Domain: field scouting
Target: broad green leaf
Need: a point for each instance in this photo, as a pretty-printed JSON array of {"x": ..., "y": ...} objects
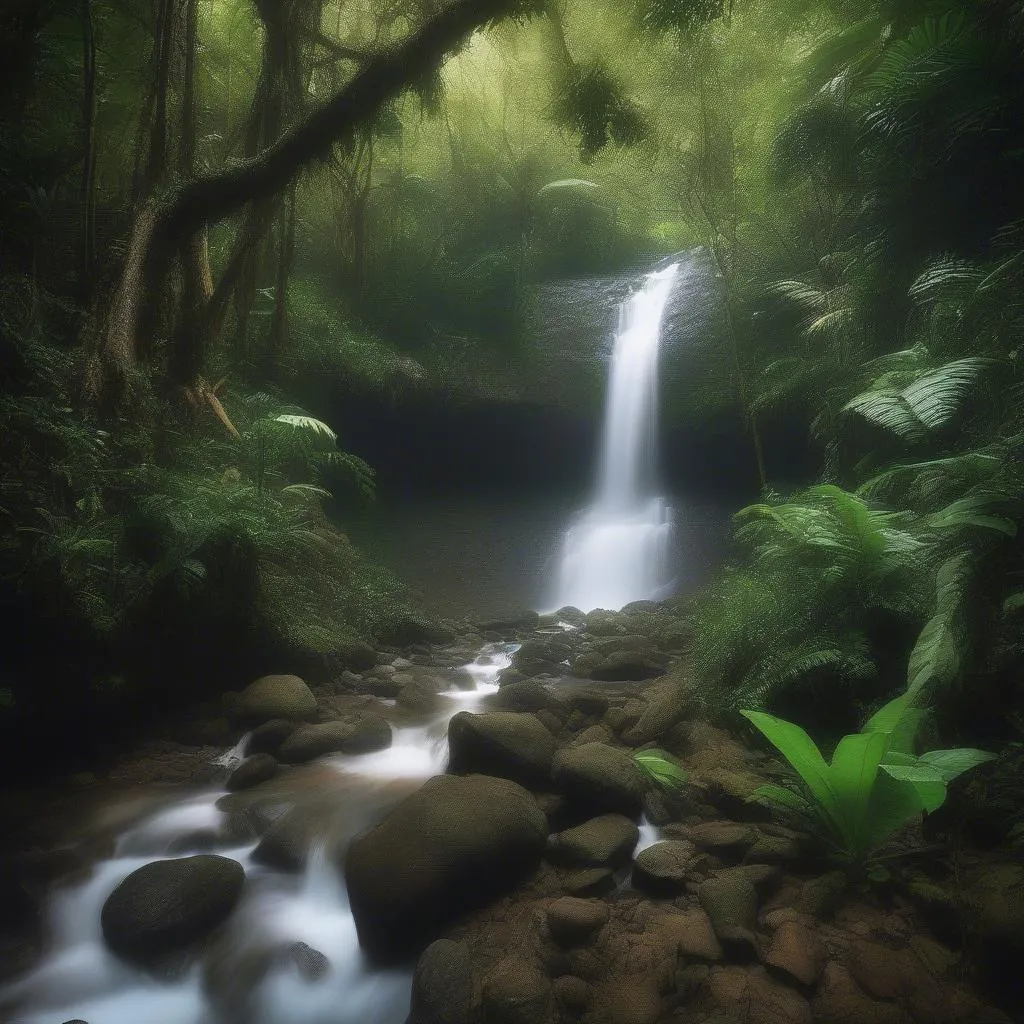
[
  {"x": 802, "y": 753},
  {"x": 899, "y": 720},
  {"x": 951, "y": 763},
  {"x": 893, "y": 803},
  {"x": 852, "y": 777},
  {"x": 926, "y": 780}
]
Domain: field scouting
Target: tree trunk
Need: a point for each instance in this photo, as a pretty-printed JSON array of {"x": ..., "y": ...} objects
[
  {"x": 154, "y": 114},
  {"x": 279, "y": 324},
  {"x": 158, "y": 233},
  {"x": 88, "y": 253}
]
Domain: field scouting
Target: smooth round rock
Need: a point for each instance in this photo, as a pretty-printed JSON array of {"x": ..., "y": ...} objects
[
  {"x": 167, "y": 905},
  {"x": 602, "y": 777},
  {"x": 573, "y": 921},
  {"x": 662, "y": 868},
  {"x": 608, "y": 839},
  {"x": 278, "y": 696}
]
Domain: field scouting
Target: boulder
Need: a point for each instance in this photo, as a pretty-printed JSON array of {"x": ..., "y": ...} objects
[
  {"x": 663, "y": 868},
  {"x": 573, "y": 921},
  {"x": 543, "y": 650},
  {"x": 605, "y": 840},
  {"x": 730, "y": 900},
  {"x": 601, "y": 622},
  {"x": 723, "y": 838},
  {"x": 796, "y": 953},
  {"x": 417, "y": 696},
  {"x": 765, "y": 1000},
  {"x": 442, "y": 985},
  {"x": 354, "y": 734},
  {"x": 666, "y": 705},
  {"x": 585, "y": 663},
  {"x": 452, "y": 846},
  {"x": 524, "y": 619},
  {"x": 275, "y": 697},
  {"x": 355, "y": 656},
  {"x": 167, "y": 905},
  {"x": 526, "y": 695},
  {"x": 516, "y": 992},
  {"x": 625, "y": 666},
  {"x": 631, "y": 1000},
  {"x": 572, "y": 995},
  {"x": 504, "y": 743},
  {"x": 695, "y": 937},
  {"x": 414, "y": 629},
  {"x": 600, "y": 777},
  {"x": 251, "y": 772}
]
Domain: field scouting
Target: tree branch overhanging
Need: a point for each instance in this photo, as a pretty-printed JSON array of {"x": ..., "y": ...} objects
[{"x": 160, "y": 230}]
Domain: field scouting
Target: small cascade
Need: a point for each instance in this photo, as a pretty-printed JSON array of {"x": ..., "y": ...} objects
[
  {"x": 617, "y": 550},
  {"x": 80, "y": 978}
]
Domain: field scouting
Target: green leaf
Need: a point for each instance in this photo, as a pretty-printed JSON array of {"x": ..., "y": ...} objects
[
  {"x": 954, "y": 762},
  {"x": 661, "y": 767},
  {"x": 935, "y": 659},
  {"x": 802, "y": 753},
  {"x": 927, "y": 781},
  {"x": 852, "y": 776},
  {"x": 899, "y": 720},
  {"x": 893, "y": 803},
  {"x": 306, "y": 423},
  {"x": 771, "y": 794}
]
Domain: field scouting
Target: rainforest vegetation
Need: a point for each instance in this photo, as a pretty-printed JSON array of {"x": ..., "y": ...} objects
[{"x": 241, "y": 240}]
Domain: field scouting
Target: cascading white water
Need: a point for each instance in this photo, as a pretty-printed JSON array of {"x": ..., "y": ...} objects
[
  {"x": 80, "y": 978},
  {"x": 617, "y": 550}
]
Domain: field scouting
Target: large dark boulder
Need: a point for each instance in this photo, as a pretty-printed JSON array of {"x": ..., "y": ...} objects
[
  {"x": 452, "y": 846},
  {"x": 503, "y": 743},
  {"x": 626, "y": 666},
  {"x": 354, "y": 734},
  {"x": 280, "y": 696},
  {"x": 525, "y": 619},
  {"x": 167, "y": 905},
  {"x": 600, "y": 777},
  {"x": 414, "y": 629}
]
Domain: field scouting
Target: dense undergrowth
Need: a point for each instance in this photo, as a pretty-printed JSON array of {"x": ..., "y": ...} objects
[{"x": 900, "y": 331}]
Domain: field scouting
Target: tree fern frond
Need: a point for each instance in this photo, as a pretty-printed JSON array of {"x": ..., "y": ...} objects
[{"x": 304, "y": 422}]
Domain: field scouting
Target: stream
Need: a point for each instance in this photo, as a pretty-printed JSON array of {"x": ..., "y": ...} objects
[{"x": 80, "y": 979}]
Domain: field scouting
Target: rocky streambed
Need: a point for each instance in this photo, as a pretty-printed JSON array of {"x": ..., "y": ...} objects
[{"x": 454, "y": 829}]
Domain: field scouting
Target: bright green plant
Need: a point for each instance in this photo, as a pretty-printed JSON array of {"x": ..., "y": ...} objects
[
  {"x": 662, "y": 768},
  {"x": 874, "y": 784}
]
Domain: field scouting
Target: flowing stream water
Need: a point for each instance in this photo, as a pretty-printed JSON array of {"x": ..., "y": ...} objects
[
  {"x": 617, "y": 550},
  {"x": 79, "y": 978}
]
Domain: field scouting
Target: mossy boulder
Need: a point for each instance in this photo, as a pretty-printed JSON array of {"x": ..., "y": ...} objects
[
  {"x": 452, "y": 846},
  {"x": 275, "y": 697},
  {"x": 600, "y": 777},
  {"x": 166, "y": 906},
  {"x": 503, "y": 743}
]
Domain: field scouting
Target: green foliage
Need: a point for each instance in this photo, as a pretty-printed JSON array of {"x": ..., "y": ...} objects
[
  {"x": 590, "y": 102},
  {"x": 794, "y": 614},
  {"x": 874, "y": 784},
  {"x": 663, "y": 769}
]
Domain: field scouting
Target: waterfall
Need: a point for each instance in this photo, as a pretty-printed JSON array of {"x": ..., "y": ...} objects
[{"x": 617, "y": 550}]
